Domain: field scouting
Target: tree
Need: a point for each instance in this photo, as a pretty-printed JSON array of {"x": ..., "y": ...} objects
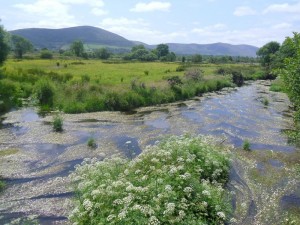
[
  {"x": 162, "y": 50},
  {"x": 197, "y": 58},
  {"x": 102, "y": 53},
  {"x": 46, "y": 54},
  {"x": 77, "y": 47},
  {"x": 267, "y": 54},
  {"x": 137, "y": 47},
  {"x": 20, "y": 45},
  {"x": 4, "y": 46},
  {"x": 290, "y": 71}
]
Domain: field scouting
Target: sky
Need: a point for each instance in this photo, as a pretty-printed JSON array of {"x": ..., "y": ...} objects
[{"x": 253, "y": 22}]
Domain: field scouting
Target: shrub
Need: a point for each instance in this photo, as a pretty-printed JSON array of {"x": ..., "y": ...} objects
[
  {"x": 180, "y": 181},
  {"x": 58, "y": 124},
  {"x": 46, "y": 54},
  {"x": 44, "y": 91},
  {"x": 174, "y": 80},
  {"x": 237, "y": 78},
  {"x": 246, "y": 145},
  {"x": 194, "y": 74},
  {"x": 92, "y": 143},
  {"x": 2, "y": 185}
]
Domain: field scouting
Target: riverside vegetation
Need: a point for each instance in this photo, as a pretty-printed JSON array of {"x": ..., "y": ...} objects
[
  {"x": 179, "y": 181},
  {"x": 92, "y": 85}
]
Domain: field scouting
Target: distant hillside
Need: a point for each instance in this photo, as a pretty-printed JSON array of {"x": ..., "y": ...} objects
[
  {"x": 57, "y": 38},
  {"x": 212, "y": 49},
  {"x": 93, "y": 37}
]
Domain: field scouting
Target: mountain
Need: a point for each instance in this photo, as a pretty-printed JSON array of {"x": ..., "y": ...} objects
[
  {"x": 214, "y": 49},
  {"x": 93, "y": 37},
  {"x": 58, "y": 38}
]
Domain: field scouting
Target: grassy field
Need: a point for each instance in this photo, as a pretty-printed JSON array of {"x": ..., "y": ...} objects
[{"x": 94, "y": 85}]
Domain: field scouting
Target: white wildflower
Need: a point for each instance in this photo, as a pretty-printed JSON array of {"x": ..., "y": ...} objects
[
  {"x": 205, "y": 192},
  {"x": 180, "y": 159},
  {"x": 122, "y": 214},
  {"x": 181, "y": 214},
  {"x": 170, "y": 207},
  {"x": 188, "y": 190},
  {"x": 95, "y": 193},
  {"x": 87, "y": 204},
  {"x": 168, "y": 187},
  {"x": 153, "y": 221},
  {"x": 221, "y": 215},
  {"x": 137, "y": 172},
  {"x": 204, "y": 204},
  {"x": 117, "y": 202},
  {"x": 154, "y": 160},
  {"x": 126, "y": 172},
  {"x": 110, "y": 217}
]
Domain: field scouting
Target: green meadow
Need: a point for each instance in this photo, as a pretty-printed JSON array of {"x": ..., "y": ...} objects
[{"x": 76, "y": 86}]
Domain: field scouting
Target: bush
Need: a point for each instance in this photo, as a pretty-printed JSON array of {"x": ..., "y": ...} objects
[
  {"x": 246, "y": 145},
  {"x": 57, "y": 124},
  {"x": 46, "y": 54},
  {"x": 92, "y": 143},
  {"x": 237, "y": 78},
  {"x": 2, "y": 185},
  {"x": 10, "y": 94},
  {"x": 44, "y": 91},
  {"x": 180, "y": 181},
  {"x": 194, "y": 74}
]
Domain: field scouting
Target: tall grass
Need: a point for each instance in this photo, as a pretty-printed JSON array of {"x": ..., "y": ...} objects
[
  {"x": 180, "y": 181},
  {"x": 95, "y": 86}
]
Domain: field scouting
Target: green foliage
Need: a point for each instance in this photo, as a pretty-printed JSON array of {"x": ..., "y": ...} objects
[
  {"x": 92, "y": 143},
  {"x": 102, "y": 53},
  {"x": 4, "y": 46},
  {"x": 46, "y": 54},
  {"x": 162, "y": 50},
  {"x": 194, "y": 74},
  {"x": 247, "y": 145},
  {"x": 237, "y": 78},
  {"x": 265, "y": 101},
  {"x": 180, "y": 181},
  {"x": 290, "y": 71},
  {"x": 10, "y": 94},
  {"x": 197, "y": 58},
  {"x": 139, "y": 52},
  {"x": 2, "y": 185},
  {"x": 58, "y": 124},
  {"x": 20, "y": 46},
  {"x": 267, "y": 55},
  {"x": 77, "y": 48},
  {"x": 44, "y": 92}
]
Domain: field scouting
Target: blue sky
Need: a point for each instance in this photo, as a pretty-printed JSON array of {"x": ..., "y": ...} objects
[{"x": 254, "y": 22}]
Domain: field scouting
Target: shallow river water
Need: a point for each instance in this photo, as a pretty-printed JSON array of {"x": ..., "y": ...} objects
[{"x": 35, "y": 161}]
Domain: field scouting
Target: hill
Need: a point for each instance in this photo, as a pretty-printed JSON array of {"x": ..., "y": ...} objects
[
  {"x": 58, "y": 38},
  {"x": 97, "y": 37}
]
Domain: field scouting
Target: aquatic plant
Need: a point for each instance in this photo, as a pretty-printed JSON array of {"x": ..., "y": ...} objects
[
  {"x": 2, "y": 185},
  {"x": 246, "y": 145},
  {"x": 58, "y": 124},
  {"x": 179, "y": 181},
  {"x": 91, "y": 143}
]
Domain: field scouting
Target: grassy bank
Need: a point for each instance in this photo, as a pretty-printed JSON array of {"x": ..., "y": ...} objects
[
  {"x": 180, "y": 181},
  {"x": 75, "y": 86}
]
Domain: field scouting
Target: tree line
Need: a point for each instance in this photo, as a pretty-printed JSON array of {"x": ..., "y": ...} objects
[{"x": 283, "y": 60}]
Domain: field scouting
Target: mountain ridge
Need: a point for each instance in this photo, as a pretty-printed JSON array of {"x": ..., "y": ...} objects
[{"x": 57, "y": 38}]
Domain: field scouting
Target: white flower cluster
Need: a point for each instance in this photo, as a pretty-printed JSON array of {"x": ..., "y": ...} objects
[{"x": 168, "y": 182}]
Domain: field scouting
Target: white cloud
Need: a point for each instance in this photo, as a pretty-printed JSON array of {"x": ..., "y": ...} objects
[
  {"x": 282, "y": 26},
  {"x": 244, "y": 11},
  {"x": 151, "y": 6},
  {"x": 257, "y": 36},
  {"x": 139, "y": 30},
  {"x": 122, "y": 21},
  {"x": 283, "y": 8},
  {"x": 99, "y": 12}
]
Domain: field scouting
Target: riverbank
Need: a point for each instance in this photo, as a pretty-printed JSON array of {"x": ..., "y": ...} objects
[{"x": 37, "y": 173}]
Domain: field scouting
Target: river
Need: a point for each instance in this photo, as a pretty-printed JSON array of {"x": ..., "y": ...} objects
[{"x": 36, "y": 161}]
